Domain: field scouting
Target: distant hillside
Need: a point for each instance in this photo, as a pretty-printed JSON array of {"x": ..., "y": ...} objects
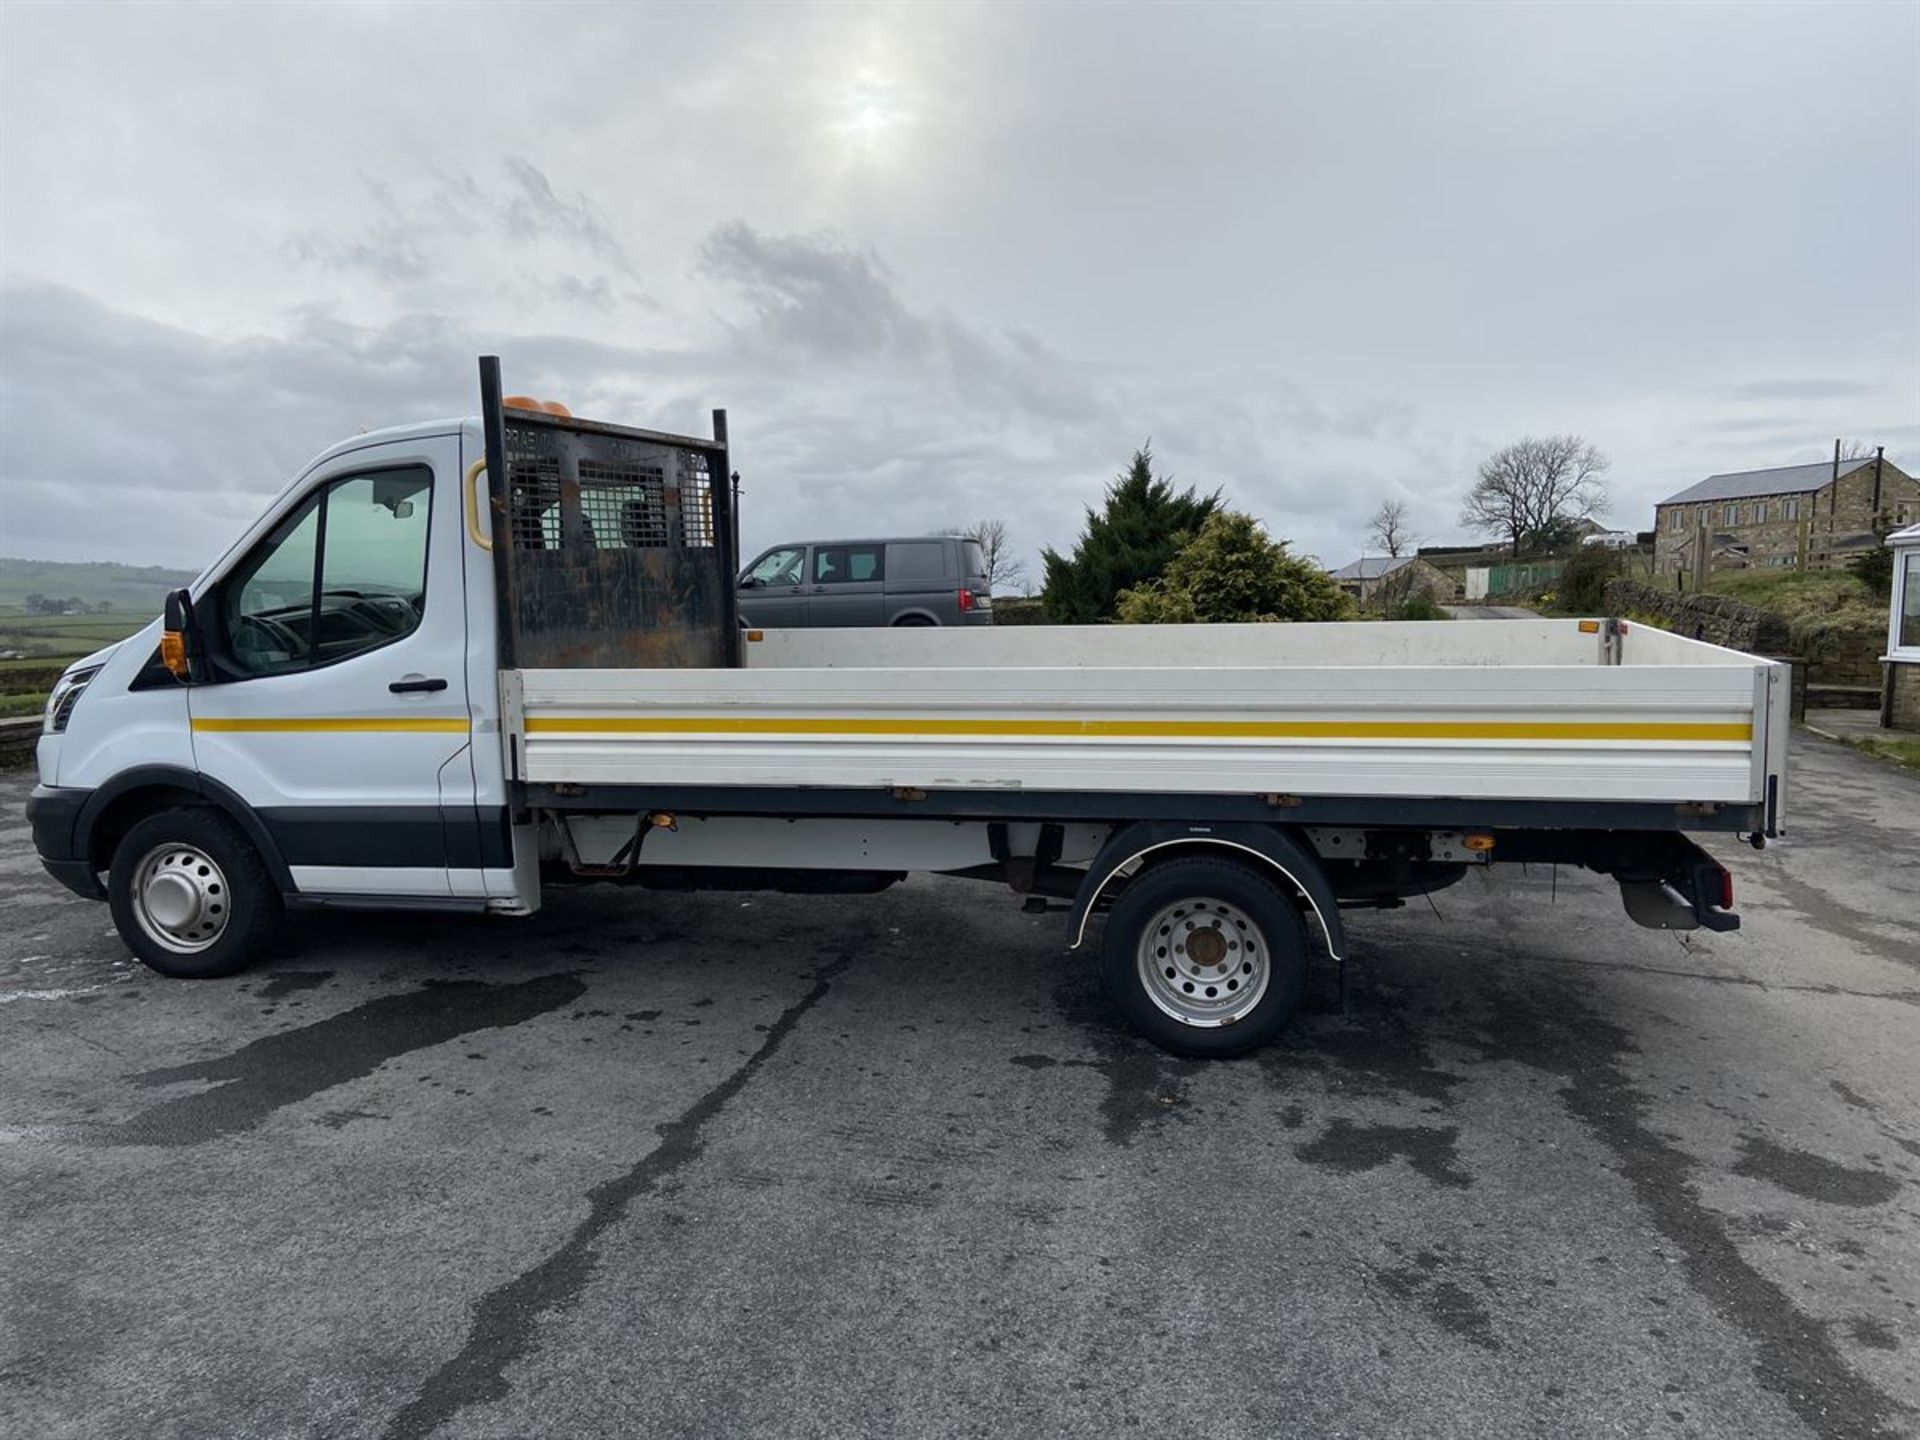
[{"x": 131, "y": 590}]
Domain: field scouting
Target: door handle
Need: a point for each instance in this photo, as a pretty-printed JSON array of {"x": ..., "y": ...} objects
[{"x": 410, "y": 687}]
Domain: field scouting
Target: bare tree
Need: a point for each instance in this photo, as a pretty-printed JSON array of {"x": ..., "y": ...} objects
[
  {"x": 1388, "y": 528},
  {"x": 1535, "y": 485},
  {"x": 1004, "y": 568},
  {"x": 1855, "y": 450}
]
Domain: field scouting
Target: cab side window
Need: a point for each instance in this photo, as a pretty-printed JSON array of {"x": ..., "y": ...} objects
[
  {"x": 846, "y": 564},
  {"x": 343, "y": 574},
  {"x": 779, "y": 567}
]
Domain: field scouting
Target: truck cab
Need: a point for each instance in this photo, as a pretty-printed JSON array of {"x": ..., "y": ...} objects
[{"x": 339, "y": 616}]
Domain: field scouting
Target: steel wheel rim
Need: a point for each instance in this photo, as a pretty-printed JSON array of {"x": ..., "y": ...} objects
[
  {"x": 1204, "y": 962},
  {"x": 181, "y": 898}
]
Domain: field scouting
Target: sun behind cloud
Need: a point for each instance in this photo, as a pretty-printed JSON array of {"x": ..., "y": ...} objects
[{"x": 870, "y": 116}]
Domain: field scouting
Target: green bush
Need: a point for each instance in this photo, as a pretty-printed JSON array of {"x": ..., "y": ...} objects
[
  {"x": 1583, "y": 580},
  {"x": 1874, "y": 570},
  {"x": 1417, "y": 606},
  {"x": 1229, "y": 572}
]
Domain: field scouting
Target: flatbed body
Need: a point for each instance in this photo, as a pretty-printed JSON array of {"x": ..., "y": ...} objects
[{"x": 1562, "y": 720}]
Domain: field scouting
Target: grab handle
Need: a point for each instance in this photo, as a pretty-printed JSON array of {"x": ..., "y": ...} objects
[{"x": 473, "y": 505}]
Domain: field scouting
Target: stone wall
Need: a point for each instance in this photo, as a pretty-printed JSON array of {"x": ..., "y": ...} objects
[
  {"x": 18, "y": 739},
  {"x": 1713, "y": 618},
  {"x": 1905, "y": 681},
  {"x": 1840, "y": 654}
]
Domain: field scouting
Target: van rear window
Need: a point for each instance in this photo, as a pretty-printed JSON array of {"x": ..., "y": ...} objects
[
  {"x": 917, "y": 560},
  {"x": 975, "y": 557}
]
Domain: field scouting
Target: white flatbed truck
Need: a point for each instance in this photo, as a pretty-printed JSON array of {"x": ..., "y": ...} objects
[{"x": 457, "y": 665}]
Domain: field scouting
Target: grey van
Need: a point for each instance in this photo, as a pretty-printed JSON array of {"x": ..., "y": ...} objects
[{"x": 920, "y": 580}]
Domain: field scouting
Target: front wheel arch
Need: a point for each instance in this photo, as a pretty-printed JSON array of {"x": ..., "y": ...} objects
[{"x": 127, "y": 799}]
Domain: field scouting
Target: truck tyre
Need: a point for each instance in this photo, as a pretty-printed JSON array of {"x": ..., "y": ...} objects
[
  {"x": 191, "y": 896},
  {"x": 1205, "y": 957}
]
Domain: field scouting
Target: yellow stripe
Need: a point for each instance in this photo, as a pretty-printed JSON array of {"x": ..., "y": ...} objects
[
  {"x": 1139, "y": 729},
  {"x": 336, "y": 724}
]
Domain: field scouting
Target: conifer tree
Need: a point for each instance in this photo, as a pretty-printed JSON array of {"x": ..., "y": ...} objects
[{"x": 1126, "y": 544}]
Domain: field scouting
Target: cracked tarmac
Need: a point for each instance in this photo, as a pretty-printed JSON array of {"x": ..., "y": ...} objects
[{"x": 665, "y": 1165}]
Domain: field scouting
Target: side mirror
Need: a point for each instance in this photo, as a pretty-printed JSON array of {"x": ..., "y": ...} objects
[
  {"x": 178, "y": 640},
  {"x": 749, "y": 582}
]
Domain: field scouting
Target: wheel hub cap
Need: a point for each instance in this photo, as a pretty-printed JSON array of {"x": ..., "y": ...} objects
[
  {"x": 1204, "y": 962},
  {"x": 172, "y": 901},
  {"x": 180, "y": 898}
]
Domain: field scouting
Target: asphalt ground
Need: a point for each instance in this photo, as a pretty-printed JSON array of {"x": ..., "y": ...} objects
[{"x": 658, "y": 1165}]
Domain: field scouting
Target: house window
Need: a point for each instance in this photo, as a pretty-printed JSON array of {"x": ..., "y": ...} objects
[
  {"x": 1792, "y": 502},
  {"x": 1679, "y": 517},
  {"x": 1731, "y": 516}
]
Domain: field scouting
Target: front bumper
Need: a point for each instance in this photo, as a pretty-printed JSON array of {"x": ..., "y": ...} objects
[{"x": 53, "y": 813}]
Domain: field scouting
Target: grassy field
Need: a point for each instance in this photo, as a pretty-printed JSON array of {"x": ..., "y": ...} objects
[
  {"x": 1902, "y": 751},
  {"x": 1797, "y": 595},
  {"x": 137, "y": 590},
  {"x": 50, "y": 643},
  {"x": 40, "y": 638},
  {"x": 35, "y": 648}
]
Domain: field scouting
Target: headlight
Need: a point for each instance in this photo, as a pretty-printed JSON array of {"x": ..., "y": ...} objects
[{"x": 66, "y": 694}]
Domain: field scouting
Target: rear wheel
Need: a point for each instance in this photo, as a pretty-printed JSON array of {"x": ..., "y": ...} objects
[
  {"x": 906, "y": 620},
  {"x": 191, "y": 896},
  {"x": 1205, "y": 957}
]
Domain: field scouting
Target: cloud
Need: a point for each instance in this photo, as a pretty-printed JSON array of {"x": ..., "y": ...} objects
[
  {"x": 852, "y": 410},
  {"x": 1056, "y": 233},
  {"x": 535, "y": 210},
  {"x": 417, "y": 239},
  {"x": 1803, "y": 390},
  {"x": 818, "y": 297}
]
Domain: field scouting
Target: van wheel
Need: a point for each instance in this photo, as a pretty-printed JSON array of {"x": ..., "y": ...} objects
[
  {"x": 191, "y": 896},
  {"x": 1205, "y": 957}
]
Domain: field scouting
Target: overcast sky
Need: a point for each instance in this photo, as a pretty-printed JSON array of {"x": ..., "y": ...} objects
[{"x": 950, "y": 262}]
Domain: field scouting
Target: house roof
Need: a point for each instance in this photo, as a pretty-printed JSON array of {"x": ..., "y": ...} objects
[
  {"x": 1782, "y": 480},
  {"x": 1372, "y": 567},
  {"x": 1908, "y": 536}
]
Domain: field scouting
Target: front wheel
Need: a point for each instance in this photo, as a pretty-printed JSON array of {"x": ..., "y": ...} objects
[
  {"x": 1205, "y": 957},
  {"x": 191, "y": 896}
]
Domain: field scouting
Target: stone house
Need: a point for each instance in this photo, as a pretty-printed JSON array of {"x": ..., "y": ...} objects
[
  {"x": 1807, "y": 517},
  {"x": 1397, "y": 576}
]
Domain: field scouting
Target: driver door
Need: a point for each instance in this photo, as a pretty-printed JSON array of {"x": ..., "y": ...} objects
[
  {"x": 773, "y": 591},
  {"x": 338, "y": 709}
]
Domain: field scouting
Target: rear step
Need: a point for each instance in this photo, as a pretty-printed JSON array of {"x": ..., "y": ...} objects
[{"x": 1696, "y": 893}]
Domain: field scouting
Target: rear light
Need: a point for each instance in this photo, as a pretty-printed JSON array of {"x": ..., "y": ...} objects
[
  {"x": 1726, "y": 888},
  {"x": 966, "y": 601}
]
